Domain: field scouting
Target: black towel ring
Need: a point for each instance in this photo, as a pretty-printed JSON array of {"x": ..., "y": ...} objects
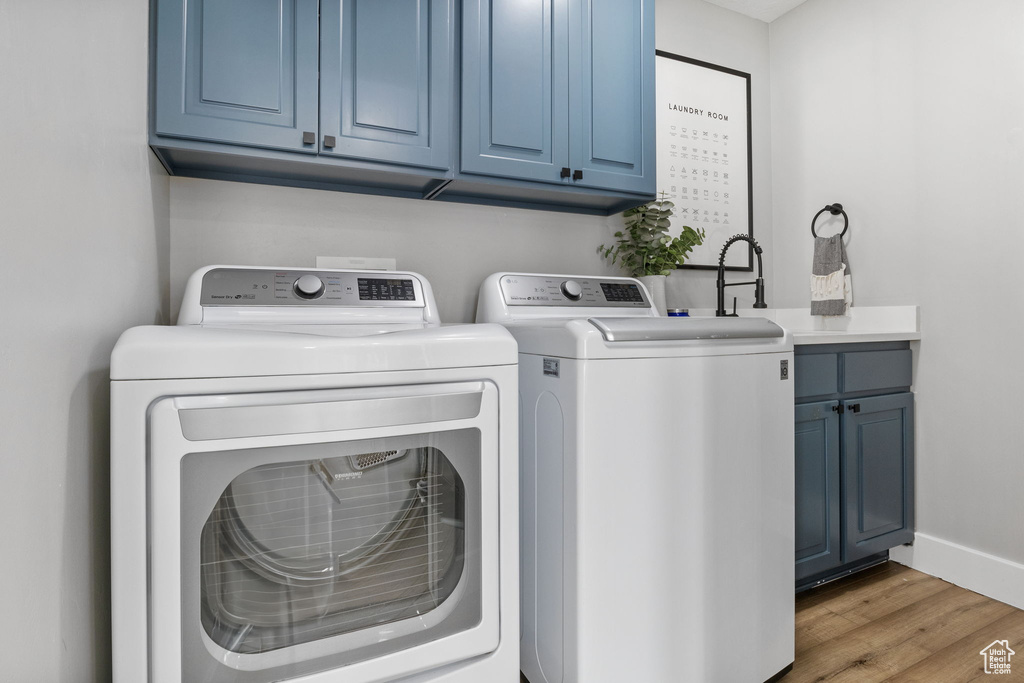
[{"x": 835, "y": 210}]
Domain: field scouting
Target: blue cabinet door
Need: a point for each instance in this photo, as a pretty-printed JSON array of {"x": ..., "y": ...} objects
[
  {"x": 611, "y": 94},
  {"x": 386, "y": 80},
  {"x": 818, "y": 529},
  {"x": 514, "y": 78},
  {"x": 238, "y": 71},
  {"x": 878, "y": 435}
]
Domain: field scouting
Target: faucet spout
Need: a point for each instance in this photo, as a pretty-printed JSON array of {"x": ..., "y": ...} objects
[{"x": 759, "y": 301}]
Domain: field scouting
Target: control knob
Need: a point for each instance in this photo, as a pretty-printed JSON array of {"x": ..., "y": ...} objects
[
  {"x": 309, "y": 287},
  {"x": 572, "y": 290}
]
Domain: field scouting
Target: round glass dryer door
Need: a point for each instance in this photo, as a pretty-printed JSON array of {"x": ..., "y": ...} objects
[
  {"x": 296, "y": 552},
  {"x": 317, "y": 556}
]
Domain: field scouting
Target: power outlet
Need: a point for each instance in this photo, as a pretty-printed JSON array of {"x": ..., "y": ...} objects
[{"x": 356, "y": 262}]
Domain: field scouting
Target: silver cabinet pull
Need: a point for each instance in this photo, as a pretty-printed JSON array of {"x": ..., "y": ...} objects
[
  {"x": 330, "y": 141},
  {"x": 308, "y": 138}
]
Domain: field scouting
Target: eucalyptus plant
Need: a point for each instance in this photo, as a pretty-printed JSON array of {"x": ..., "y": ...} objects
[{"x": 645, "y": 246}]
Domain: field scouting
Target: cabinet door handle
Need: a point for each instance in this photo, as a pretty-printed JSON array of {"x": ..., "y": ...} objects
[
  {"x": 838, "y": 409},
  {"x": 309, "y": 138},
  {"x": 577, "y": 174},
  {"x": 329, "y": 141},
  {"x": 855, "y": 407},
  {"x": 566, "y": 172}
]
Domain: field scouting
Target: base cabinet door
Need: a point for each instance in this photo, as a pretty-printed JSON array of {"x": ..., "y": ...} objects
[
  {"x": 386, "y": 81},
  {"x": 818, "y": 546},
  {"x": 238, "y": 71},
  {"x": 878, "y": 476}
]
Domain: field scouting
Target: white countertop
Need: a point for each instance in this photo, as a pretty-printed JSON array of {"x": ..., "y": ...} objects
[{"x": 861, "y": 324}]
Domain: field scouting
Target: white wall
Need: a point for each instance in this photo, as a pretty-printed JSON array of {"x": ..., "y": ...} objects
[
  {"x": 700, "y": 30},
  {"x": 911, "y": 114},
  {"x": 455, "y": 246},
  {"x": 84, "y": 255}
]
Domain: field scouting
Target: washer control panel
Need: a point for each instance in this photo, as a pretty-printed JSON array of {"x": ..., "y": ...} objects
[
  {"x": 544, "y": 290},
  {"x": 265, "y": 287}
]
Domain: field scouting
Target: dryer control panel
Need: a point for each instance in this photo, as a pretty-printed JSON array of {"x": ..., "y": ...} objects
[
  {"x": 583, "y": 292},
  {"x": 271, "y": 287},
  {"x": 339, "y": 299}
]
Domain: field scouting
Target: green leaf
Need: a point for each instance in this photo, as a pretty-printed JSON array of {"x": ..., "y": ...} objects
[{"x": 648, "y": 246}]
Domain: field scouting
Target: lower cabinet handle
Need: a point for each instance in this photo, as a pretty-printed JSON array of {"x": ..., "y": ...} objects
[
  {"x": 309, "y": 138},
  {"x": 855, "y": 407},
  {"x": 329, "y": 141},
  {"x": 577, "y": 174},
  {"x": 566, "y": 172}
]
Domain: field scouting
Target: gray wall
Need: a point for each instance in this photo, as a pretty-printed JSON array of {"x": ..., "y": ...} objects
[
  {"x": 83, "y": 210},
  {"x": 456, "y": 246},
  {"x": 911, "y": 114}
]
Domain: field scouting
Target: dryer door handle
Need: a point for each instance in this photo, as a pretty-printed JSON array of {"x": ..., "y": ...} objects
[{"x": 237, "y": 422}]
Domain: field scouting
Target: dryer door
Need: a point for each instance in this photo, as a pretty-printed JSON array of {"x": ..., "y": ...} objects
[{"x": 304, "y": 532}]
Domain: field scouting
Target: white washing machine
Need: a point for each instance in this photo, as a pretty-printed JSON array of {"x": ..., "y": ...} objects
[
  {"x": 312, "y": 480},
  {"x": 657, "y": 486}
]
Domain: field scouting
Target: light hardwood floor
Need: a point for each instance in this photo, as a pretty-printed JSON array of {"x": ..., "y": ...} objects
[{"x": 891, "y": 623}]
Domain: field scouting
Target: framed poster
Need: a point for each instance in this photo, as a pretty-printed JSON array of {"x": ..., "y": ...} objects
[{"x": 703, "y": 138}]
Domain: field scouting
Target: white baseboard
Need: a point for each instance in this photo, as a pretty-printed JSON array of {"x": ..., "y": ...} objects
[{"x": 972, "y": 569}]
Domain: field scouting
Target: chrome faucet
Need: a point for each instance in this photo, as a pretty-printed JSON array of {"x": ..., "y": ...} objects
[{"x": 721, "y": 284}]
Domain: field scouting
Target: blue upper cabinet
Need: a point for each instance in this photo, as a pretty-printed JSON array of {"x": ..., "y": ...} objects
[
  {"x": 560, "y": 91},
  {"x": 386, "y": 81},
  {"x": 515, "y": 117},
  {"x": 611, "y": 94},
  {"x": 555, "y": 108},
  {"x": 238, "y": 71}
]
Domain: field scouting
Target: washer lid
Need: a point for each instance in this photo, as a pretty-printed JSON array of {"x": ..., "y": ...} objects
[
  {"x": 194, "y": 351},
  {"x": 667, "y": 329},
  {"x": 648, "y": 338}
]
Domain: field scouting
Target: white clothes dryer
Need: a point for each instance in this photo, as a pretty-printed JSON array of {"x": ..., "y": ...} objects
[
  {"x": 312, "y": 480},
  {"x": 657, "y": 486}
]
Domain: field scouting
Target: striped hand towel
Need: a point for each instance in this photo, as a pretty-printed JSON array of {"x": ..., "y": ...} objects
[{"x": 831, "y": 287}]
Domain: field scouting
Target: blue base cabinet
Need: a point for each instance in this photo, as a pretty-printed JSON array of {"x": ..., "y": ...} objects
[
  {"x": 878, "y": 473},
  {"x": 818, "y": 531},
  {"x": 854, "y": 456}
]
